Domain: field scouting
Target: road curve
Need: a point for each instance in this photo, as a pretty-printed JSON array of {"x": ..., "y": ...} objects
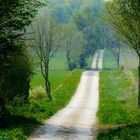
[{"x": 77, "y": 120}]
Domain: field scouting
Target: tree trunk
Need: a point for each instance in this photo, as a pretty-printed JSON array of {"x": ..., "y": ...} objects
[
  {"x": 139, "y": 84},
  {"x": 68, "y": 60},
  {"x": 48, "y": 89},
  {"x": 47, "y": 82},
  {"x": 2, "y": 107},
  {"x": 82, "y": 61},
  {"x": 27, "y": 91},
  {"x": 118, "y": 60}
]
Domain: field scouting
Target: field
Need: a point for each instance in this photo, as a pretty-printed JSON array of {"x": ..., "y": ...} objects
[{"x": 119, "y": 116}]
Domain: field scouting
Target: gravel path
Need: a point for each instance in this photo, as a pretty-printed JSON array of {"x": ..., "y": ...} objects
[{"x": 77, "y": 121}]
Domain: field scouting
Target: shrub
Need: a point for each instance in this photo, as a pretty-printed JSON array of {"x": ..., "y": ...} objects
[
  {"x": 15, "y": 77},
  {"x": 38, "y": 93}
]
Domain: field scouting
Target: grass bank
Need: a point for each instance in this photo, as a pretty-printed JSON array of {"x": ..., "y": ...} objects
[
  {"x": 21, "y": 121},
  {"x": 118, "y": 107}
]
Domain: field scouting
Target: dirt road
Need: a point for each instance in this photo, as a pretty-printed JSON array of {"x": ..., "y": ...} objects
[{"x": 77, "y": 121}]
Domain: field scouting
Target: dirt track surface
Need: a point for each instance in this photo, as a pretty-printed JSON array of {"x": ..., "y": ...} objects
[{"x": 77, "y": 121}]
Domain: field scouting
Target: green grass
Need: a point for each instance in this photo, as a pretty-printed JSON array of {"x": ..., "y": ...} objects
[
  {"x": 135, "y": 73},
  {"x": 23, "y": 120},
  {"x": 56, "y": 77},
  {"x": 118, "y": 114},
  {"x": 118, "y": 106},
  {"x": 109, "y": 61},
  {"x": 59, "y": 61}
]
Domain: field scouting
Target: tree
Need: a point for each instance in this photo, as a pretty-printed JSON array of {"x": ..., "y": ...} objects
[
  {"x": 62, "y": 10},
  {"x": 46, "y": 40},
  {"x": 89, "y": 22},
  {"x": 115, "y": 48},
  {"x": 124, "y": 16},
  {"x": 15, "y": 16},
  {"x": 113, "y": 44},
  {"x": 73, "y": 42}
]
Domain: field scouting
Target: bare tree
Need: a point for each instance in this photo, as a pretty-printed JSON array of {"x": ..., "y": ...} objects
[
  {"x": 46, "y": 40},
  {"x": 114, "y": 47},
  {"x": 116, "y": 51}
]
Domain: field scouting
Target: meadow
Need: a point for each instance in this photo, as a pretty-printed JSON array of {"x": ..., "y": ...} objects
[{"x": 118, "y": 115}]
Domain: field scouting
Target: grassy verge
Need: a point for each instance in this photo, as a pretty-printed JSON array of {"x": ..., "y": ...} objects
[
  {"x": 118, "y": 106},
  {"x": 135, "y": 73},
  {"x": 21, "y": 121}
]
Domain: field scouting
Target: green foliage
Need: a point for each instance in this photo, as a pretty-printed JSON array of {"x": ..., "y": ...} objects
[
  {"x": 118, "y": 106},
  {"x": 73, "y": 44},
  {"x": 23, "y": 120},
  {"x": 88, "y": 21},
  {"x": 16, "y": 15},
  {"x": 63, "y": 10},
  {"x": 15, "y": 77},
  {"x": 46, "y": 40},
  {"x": 15, "y": 70},
  {"x": 124, "y": 16}
]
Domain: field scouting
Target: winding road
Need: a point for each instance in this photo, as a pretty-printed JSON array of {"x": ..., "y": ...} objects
[{"x": 77, "y": 121}]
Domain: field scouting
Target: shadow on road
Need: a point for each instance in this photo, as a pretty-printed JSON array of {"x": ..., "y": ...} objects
[
  {"x": 63, "y": 132},
  {"x": 12, "y": 122}
]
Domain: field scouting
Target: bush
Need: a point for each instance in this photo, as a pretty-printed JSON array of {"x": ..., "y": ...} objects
[
  {"x": 15, "y": 76},
  {"x": 38, "y": 93}
]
